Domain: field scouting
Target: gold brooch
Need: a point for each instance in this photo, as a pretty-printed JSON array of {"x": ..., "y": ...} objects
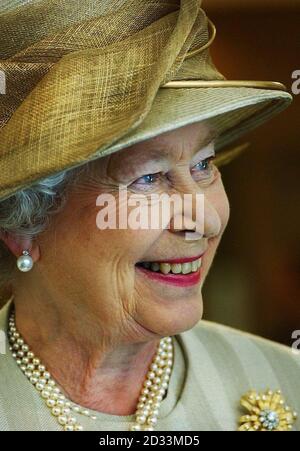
[{"x": 267, "y": 412}]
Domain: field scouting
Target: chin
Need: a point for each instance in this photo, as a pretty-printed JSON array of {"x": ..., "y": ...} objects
[{"x": 165, "y": 319}]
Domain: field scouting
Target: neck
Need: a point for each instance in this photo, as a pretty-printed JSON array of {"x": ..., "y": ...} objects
[{"x": 105, "y": 375}]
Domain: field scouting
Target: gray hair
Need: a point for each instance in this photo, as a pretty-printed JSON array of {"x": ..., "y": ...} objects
[{"x": 27, "y": 214}]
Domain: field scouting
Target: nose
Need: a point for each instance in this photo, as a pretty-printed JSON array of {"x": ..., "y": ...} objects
[{"x": 197, "y": 218}]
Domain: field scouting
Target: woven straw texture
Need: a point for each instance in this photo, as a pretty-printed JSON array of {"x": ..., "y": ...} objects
[{"x": 85, "y": 78}]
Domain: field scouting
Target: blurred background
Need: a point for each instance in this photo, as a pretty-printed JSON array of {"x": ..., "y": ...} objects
[{"x": 254, "y": 284}]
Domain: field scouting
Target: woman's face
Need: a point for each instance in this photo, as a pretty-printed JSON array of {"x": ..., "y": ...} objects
[{"x": 95, "y": 269}]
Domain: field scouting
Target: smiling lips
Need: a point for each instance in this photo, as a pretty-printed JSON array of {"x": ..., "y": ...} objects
[{"x": 180, "y": 272}]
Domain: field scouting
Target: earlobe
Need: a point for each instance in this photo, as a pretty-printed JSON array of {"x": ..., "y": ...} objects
[
  {"x": 32, "y": 248},
  {"x": 18, "y": 244}
]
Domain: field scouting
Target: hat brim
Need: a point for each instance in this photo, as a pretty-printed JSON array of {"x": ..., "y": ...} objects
[{"x": 232, "y": 111}]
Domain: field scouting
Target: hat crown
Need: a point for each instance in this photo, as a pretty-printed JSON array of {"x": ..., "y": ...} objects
[
  {"x": 35, "y": 36},
  {"x": 83, "y": 79}
]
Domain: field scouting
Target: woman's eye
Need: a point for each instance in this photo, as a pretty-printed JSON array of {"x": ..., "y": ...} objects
[
  {"x": 147, "y": 180},
  {"x": 204, "y": 168},
  {"x": 201, "y": 171}
]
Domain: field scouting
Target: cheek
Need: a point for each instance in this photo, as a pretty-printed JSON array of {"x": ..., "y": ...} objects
[
  {"x": 105, "y": 249},
  {"x": 220, "y": 202},
  {"x": 224, "y": 211}
]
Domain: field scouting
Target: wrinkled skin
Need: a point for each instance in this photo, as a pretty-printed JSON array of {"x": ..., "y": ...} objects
[{"x": 84, "y": 308}]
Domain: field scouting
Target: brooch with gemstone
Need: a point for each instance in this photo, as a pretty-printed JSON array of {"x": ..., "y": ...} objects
[{"x": 266, "y": 412}]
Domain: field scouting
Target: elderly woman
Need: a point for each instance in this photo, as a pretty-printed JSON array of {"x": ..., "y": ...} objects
[{"x": 103, "y": 320}]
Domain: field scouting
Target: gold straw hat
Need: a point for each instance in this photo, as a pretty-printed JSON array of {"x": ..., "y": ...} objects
[{"x": 87, "y": 78}]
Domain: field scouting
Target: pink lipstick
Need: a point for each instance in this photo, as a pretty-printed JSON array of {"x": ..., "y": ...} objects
[{"x": 182, "y": 280}]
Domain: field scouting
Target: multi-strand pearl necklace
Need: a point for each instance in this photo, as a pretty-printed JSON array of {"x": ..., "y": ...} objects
[{"x": 152, "y": 393}]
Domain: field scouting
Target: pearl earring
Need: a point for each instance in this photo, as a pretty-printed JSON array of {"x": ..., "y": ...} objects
[{"x": 25, "y": 262}]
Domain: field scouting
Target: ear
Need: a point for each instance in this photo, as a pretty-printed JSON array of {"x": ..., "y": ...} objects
[{"x": 18, "y": 244}]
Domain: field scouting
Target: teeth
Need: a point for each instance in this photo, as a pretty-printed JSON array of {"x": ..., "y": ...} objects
[
  {"x": 194, "y": 266},
  {"x": 186, "y": 268},
  {"x": 174, "y": 268},
  {"x": 165, "y": 268},
  {"x": 154, "y": 267}
]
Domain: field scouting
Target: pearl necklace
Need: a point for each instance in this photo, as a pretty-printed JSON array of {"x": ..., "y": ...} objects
[{"x": 151, "y": 396}]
